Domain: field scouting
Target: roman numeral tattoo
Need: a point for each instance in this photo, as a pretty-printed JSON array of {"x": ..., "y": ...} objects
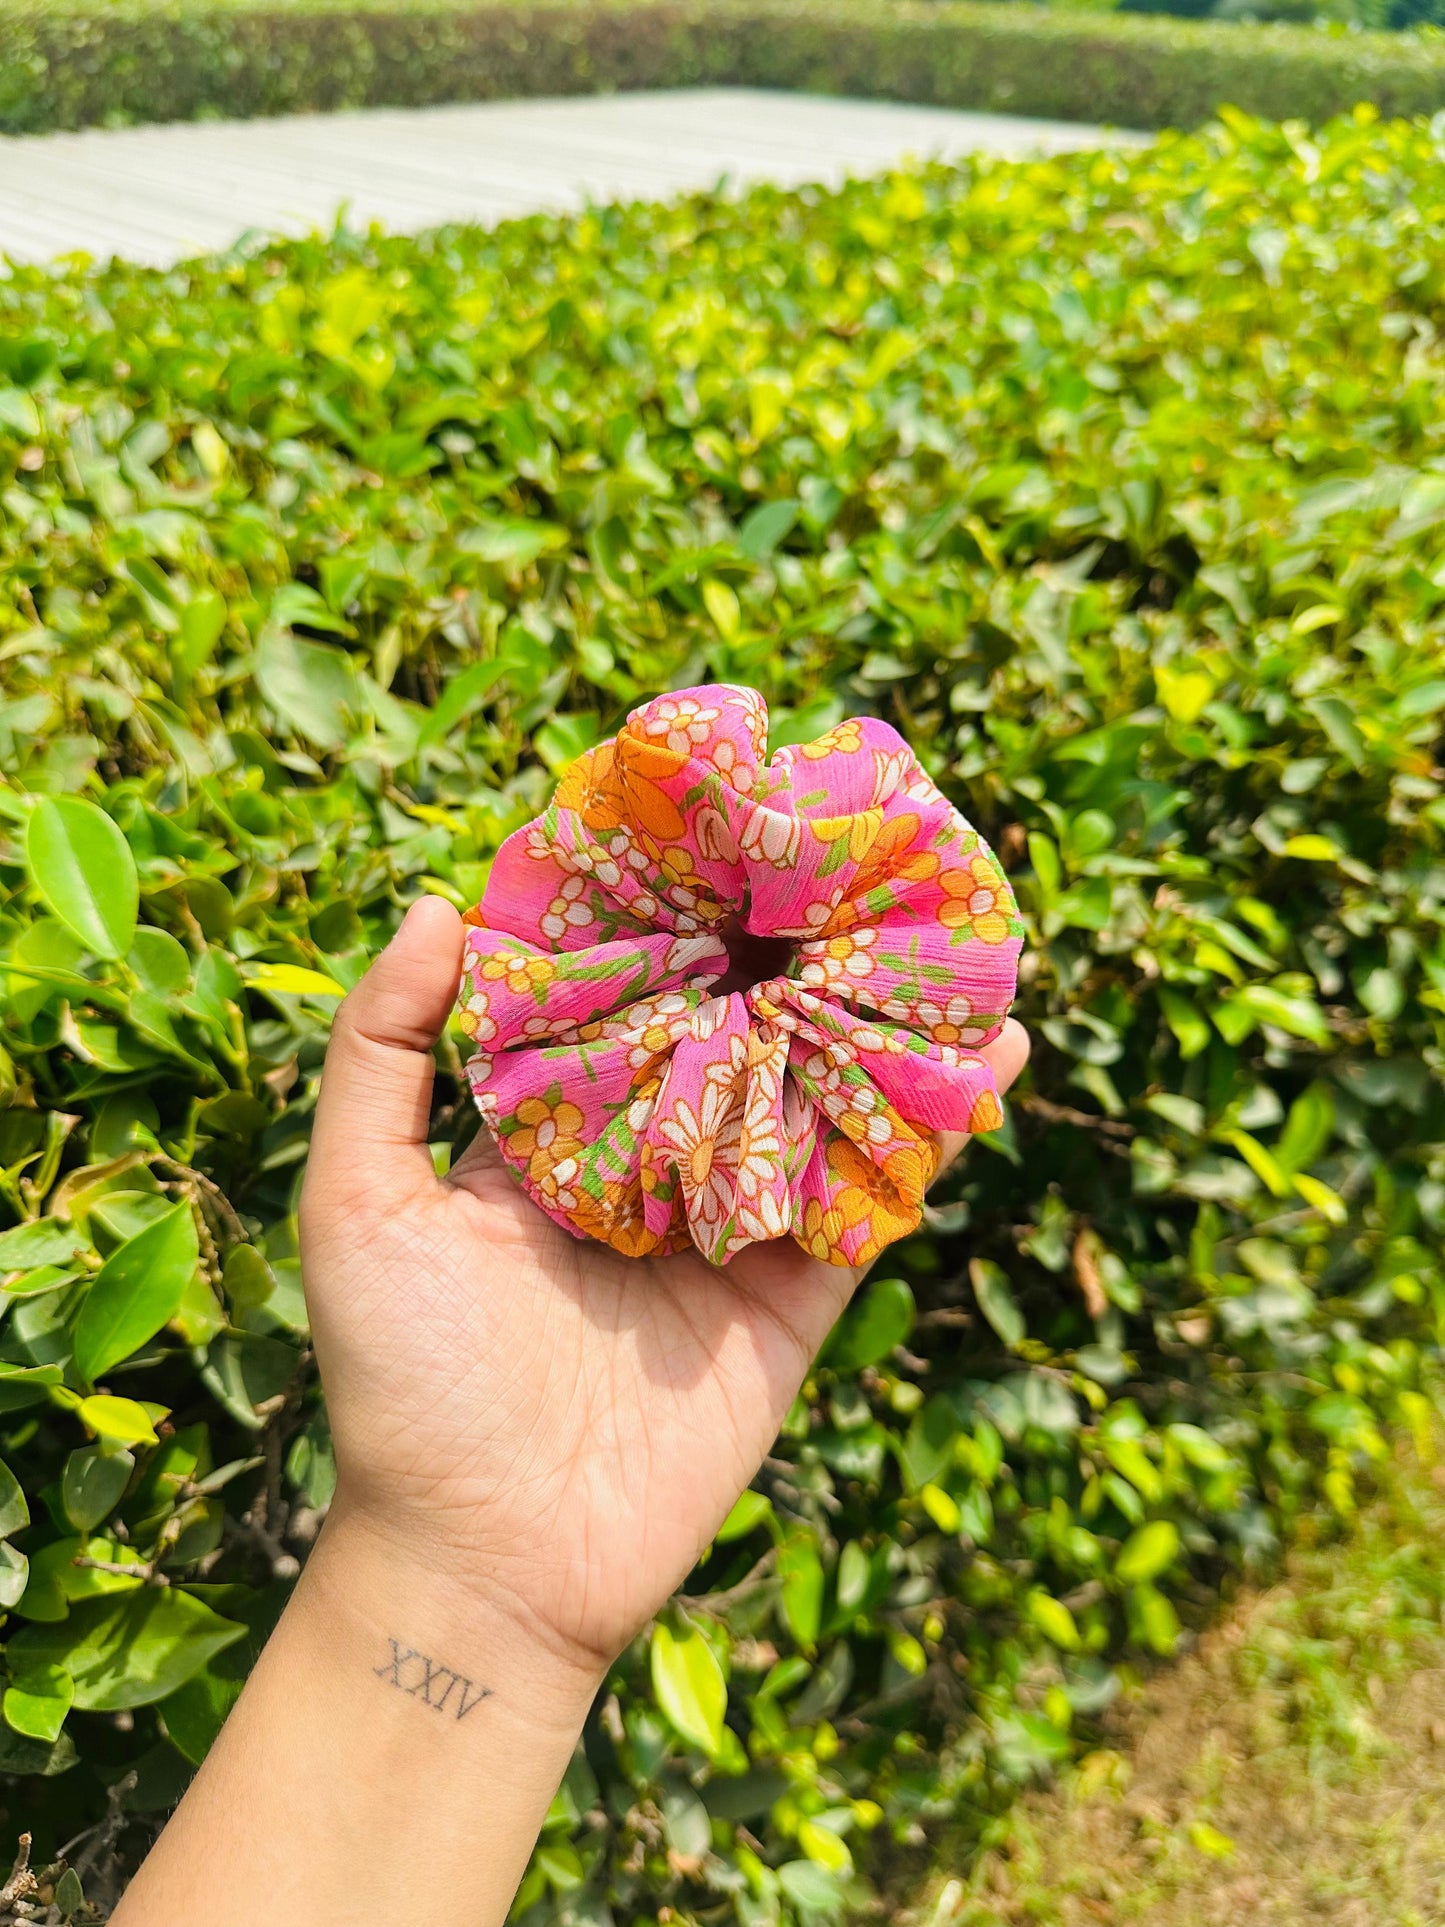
[{"x": 438, "y": 1687}]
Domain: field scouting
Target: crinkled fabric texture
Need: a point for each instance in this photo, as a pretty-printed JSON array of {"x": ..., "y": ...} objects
[{"x": 644, "y": 1090}]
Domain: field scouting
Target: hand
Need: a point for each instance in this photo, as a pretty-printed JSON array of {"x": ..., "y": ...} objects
[
  {"x": 535, "y": 1438},
  {"x": 549, "y": 1426}
]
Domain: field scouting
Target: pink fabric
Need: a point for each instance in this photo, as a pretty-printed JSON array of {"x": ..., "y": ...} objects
[{"x": 644, "y": 1089}]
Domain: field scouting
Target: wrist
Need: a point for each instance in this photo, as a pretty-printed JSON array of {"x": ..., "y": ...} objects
[{"x": 435, "y": 1629}]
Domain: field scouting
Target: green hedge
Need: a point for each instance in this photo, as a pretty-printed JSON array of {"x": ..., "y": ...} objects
[
  {"x": 1116, "y": 483},
  {"x": 68, "y": 65}
]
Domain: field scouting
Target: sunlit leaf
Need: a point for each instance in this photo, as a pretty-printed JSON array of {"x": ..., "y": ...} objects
[
  {"x": 689, "y": 1684},
  {"x": 83, "y": 868},
  {"x": 136, "y": 1291}
]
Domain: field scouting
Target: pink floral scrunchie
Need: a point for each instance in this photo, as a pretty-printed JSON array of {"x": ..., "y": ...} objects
[{"x": 719, "y": 1000}]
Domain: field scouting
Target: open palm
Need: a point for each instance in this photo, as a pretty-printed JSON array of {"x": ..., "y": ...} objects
[{"x": 563, "y": 1427}]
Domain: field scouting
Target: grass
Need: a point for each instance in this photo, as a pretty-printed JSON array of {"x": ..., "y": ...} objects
[{"x": 1292, "y": 1768}]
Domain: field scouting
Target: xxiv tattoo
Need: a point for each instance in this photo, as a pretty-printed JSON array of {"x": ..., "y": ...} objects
[{"x": 438, "y": 1687}]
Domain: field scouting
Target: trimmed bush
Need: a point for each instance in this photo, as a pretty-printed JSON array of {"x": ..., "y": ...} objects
[
  {"x": 69, "y": 65},
  {"x": 1115, "y": 482}
]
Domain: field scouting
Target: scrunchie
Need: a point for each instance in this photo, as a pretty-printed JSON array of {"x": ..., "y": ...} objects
[{"x": 720, "y": 1000}]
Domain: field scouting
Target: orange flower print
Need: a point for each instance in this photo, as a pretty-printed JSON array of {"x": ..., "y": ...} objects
[
  {"x": 558, "y": 1184},
  {"x": 856, "y": 833},
  {"x": 888, "y": 1220},
  {"x": 987, "y": 1113},
  {"x": 870, "y": 1197},
  {"x": 627, "y": 1232},
  {"x": 843, "y": 739},
  {"x": 894, "y": 859},
  {"x": 681, "y": 885},
  {"x": 838, "y": 962},
  {"x": 546, "y": 1133},
  {"x": 569, "y": 911},
  {"x": 616, "y": 1215},
  {"x": 909, "y": 1167},
  {"x": 819, "y": 1230},
  {"x": 521, "y": 973},
  {"x": 975, "y": 899},
  {"x": 590, "y": 786},
  {"x": 642, "y": 768},
  {"x": 948, "y": 1023},
  {"x": 472, "y": 1015}
]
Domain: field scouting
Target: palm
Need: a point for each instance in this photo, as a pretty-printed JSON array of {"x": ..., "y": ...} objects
[
  {"x": 570, "y": 1401},
  {"x": 564, "y": 1426}
]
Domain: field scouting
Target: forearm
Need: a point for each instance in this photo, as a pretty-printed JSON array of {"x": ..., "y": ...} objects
[{"x": 396, "y": 1730}]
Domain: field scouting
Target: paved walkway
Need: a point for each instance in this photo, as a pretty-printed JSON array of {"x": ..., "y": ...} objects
[{"x": 160, "y": 193}]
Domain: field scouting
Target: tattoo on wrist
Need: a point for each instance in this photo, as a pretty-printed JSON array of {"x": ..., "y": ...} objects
[{"x": 438, "y": 1687}]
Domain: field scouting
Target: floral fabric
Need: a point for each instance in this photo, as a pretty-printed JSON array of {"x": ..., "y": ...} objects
[{"x": 644, "y": 1088}]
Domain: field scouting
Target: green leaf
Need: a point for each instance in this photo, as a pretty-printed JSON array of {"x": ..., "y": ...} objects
[
  {"x": 854, "y": 1573},
  {"x": 1147, "y": 1552},
  {"x": 825, "y": 1847},
  {"x": 512, "y": 541},
  {"x": 18, "y": 411},
  {"x": 879, "y": 1319},
  {"x": 136, "y": 1291},
  {"x": 83, "y": 869},
  {"x": 120, "y": 1420},
  {"x": 1054, "y": 1620},
  {"x": 292, "y": 980},
  {"x": 689, "y": 1685},
  {"x": 1186, "y": 1022},
  {"x": 14, "y": 1575},
  {"x": 941, "y": 1507},
  {"x": 996, "y": 1300},
  {"x": 457, "y": 700},
  {"x": 14, "y": 1510},
  {"x": 749, "y": 1512},
  {"x": 195, "y": 1713},
  {"x": 812, "y": 1889},
  {"x": 248, "y": 1280},
  {"x": 202, "y": 620},
  {"x": 562, "y": 740},
  {"x": 1153, "y": 1620},
  {"x": 69, "y": 1894},
  {"x": 296, "y": 602},
  {"x": 311, "y": 686},
  {"x": 722, "y": 605},
  {"x": 38, "y": 1708},
  {"x": 126, "y": 1650},
  {"x": 93, "y": 1481},
  {"x": 1307, "y": 1129},
  {"x": 1312, "y": 848},
  {"x": 929, "y": 1443},
  {"x": 801, "y": 1572},
  {"x": 765, "y": 527},
  {"x": 1130, "y": 1458},
  {"x": 43, "y": 1241},
  {"x": 161, "y": 963}
]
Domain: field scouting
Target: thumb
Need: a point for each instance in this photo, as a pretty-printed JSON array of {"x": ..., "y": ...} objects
[{"x": 371, "y": 1118}]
